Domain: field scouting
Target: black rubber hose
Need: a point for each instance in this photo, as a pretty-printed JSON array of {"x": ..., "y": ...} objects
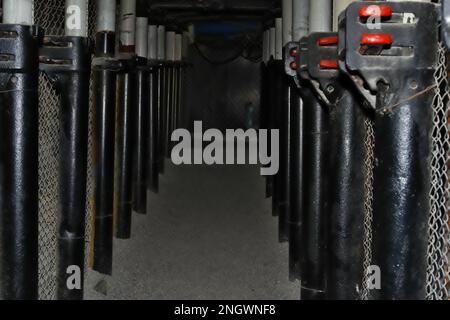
[
  {"x": 315, "y": 206},
  {"x": 346, "y": 214}
]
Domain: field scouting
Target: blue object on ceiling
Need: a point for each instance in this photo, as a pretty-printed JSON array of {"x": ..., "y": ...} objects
[{"x": 225, "y": 28}]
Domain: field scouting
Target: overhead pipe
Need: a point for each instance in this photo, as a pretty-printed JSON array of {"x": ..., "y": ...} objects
[
  {"x": 105, "y": 67},
  {"x": 126, "y": 102},
  {"x": 229, "y": 6},
  {"x": 153, "y": 123},
  {"x": 67, "y": 62},
  {"x": 140, "y": 151},
  {"x": 19, "y": 152},
  {"x": 300, "y": 14}
]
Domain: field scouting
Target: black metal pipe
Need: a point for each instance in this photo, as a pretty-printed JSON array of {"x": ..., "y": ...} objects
[
  {"x": 284, "y": 174},
  {"x": 297, "y": 183},
  {"x": 140, "y": 151},
  {"x": 105, "y": 69},
  {"x": 277, "y": 102},
  {"x": 153, "y": 141},
  {"x": 346, "y": 207},
  {"x": 19, "y": 162},
  {"x": 267, "y": 111},
  {"x": 315, "y": 191},
  {"x": 401, "y": 190},
  {"x": 124, "y": 154},
  {"x": 162, "y": 110},
  {"x": 181, "y": 78},
  {"x": 170, "y": 100},
  {"x": 71, "y": 81}
]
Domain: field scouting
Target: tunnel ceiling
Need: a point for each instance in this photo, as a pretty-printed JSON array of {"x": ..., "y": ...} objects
[{"x": 188, "y": 11}]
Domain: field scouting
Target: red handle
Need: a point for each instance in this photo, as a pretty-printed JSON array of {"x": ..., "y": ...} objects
[
  {"x": 328, "y": 41},
  {"x": 375, "y": 11},
  {"x": 329, "y": 64},
  {"x": 376, "y": 39}
]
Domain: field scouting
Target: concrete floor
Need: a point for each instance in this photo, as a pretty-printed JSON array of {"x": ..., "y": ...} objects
[{"x": 209, "y": 234}]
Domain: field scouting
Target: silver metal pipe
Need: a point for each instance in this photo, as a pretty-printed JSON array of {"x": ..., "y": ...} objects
[
  {"x": 18, "y": 12},
  {"x": 106, "y": 17}
]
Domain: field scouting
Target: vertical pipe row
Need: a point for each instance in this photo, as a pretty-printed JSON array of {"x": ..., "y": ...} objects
[{"x": 19, "y": 156}]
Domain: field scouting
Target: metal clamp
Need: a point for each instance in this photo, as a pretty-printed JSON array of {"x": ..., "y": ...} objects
[{"x": 389, "y": 45}]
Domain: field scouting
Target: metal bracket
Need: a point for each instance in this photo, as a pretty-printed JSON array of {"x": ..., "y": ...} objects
[
  {"x": 318, "y": 64},
  {"x": 388, "y": 44},
  {"x": 291, "y": 51},
  {"x": 61, "y": 55}
]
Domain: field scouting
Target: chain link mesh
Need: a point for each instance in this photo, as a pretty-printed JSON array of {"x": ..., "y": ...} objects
[
  {"x": 48, "y": 186},
  {"x": 439, "y": 241},
  {"x": 369, "y": 158},
  {"x": 49, "y": 15}
]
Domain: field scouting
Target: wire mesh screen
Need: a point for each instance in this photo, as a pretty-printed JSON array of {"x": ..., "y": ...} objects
[
  {"x": 48, "y": 186},
  {"x": 49, "y": 15},
  {"x": 369, "y": 146},
  {"x": 439, "y": 241}
]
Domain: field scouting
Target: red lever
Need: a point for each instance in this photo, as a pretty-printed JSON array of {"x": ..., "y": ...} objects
[
  {"x": 293, "y": 65},
  {"x": 376, "y": 39},
  {"x": 328, "y": 41},
  {"x": 375, "y": 11},
  {"x": 329, "y": 64},
  {"x": 293, "y": 53}
]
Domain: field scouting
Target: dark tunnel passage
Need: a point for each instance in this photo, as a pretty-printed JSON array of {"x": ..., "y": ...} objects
[{"x": 209, "y": 234}]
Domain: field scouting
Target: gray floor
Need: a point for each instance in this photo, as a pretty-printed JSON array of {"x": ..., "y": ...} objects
[{"x": 209, "y": 234}]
